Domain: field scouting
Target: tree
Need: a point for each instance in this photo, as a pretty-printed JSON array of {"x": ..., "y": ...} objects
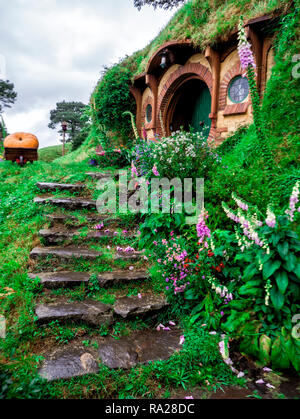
[
  {"x": 163, "y": 4},
  {"x": 72, "y": 113},
  {"x": 7, "y": 95},
  {"x": 3, "y": 131}
]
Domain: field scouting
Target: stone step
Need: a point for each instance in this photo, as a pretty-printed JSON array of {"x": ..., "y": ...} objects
[
  {"x": 54, "y": 280},
  {"x": 108, "y": 279},
  {"x": 91, "y": 312},
  {"x": 103, "y": 175},
  {"x": 142, "y": 347},
  {"x": 64, "y": 253},
  {"x": 128, "y": 307},
  {"x": 136, "y": 255},
  {"x": 63, "y": 218},
  {"x": 44, "y": 186},
  {"x": 57, "y": 235},
  {"x": 67, "y": 203},
  {"x": 96, "y": 313},
  {"x": 67, "y": 253}
]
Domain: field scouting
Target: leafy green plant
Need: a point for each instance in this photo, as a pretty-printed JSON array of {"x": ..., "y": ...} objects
[
  {"x": 112, "y": 97},
  {"x": 271, "y": 276}
]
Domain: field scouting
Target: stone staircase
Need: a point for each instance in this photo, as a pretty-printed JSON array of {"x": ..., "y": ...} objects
[{"x": 75, "y": 359}]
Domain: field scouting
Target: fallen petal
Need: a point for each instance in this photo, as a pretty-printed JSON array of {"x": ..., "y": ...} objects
[{"x": 260, "y": 382}]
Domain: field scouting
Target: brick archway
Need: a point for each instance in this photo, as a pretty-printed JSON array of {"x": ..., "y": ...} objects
[{"x": 175, "y": 81}]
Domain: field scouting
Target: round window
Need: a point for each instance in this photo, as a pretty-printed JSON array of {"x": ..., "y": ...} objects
[
  {"x": 238, "y": 89},
  {"x": 149, "y": 113}
]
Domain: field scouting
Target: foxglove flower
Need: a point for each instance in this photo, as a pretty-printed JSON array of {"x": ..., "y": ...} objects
[
  {"x": 244, "y": 49},
  {"x": 271, "y": 218},
  {"x": 294, "y": 199},
  {"x": 202, "y": 230}
]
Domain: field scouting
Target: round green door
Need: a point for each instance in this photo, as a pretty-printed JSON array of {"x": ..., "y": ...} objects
[{"x": 202, "y": 108}]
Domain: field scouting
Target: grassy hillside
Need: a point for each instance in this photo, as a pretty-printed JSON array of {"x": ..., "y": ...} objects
[
  {"x": 83, "y": 152},
  {"x": 48, "y": 154}
]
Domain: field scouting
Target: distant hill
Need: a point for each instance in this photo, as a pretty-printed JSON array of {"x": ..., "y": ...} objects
[{"x": 48, "y": 154}]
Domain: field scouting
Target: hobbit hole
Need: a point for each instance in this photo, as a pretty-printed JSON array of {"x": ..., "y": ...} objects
[{"x": 202, "y": 90}]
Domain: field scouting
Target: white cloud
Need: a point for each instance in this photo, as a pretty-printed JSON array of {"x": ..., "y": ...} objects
[{"x": 55, "y": 50}]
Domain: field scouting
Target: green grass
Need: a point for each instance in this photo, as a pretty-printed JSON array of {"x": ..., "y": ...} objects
[{"x": 48, "y": 154}]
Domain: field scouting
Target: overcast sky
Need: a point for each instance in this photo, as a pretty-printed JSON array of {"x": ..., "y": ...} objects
[{"x": 54, "y": 50}]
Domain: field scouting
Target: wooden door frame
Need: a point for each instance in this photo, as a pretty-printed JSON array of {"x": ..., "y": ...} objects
[{"x": 175, "y": 98}]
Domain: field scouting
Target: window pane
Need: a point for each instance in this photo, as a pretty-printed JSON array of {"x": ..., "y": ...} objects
[{"x": 238, "y": 89}]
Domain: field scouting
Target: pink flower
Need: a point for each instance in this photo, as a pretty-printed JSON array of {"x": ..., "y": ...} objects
[
  {"x": 129, "y": 249},
  {"x": 99, "y": 226},
  {"x": 189, "y": 398},
  {"x": 202, "y": 230},
  {"x": 261, "y": 381},
  {"x": 172, "y": 323},
  {"x": 155, "y": 171},
  {"x": 271, "y": 218},
  {"x": 182, "y": 340},
  {"x": 270, "y": 386},
  {"x": 131, "y": 268},
  {"x": 134, "y": 171},
  {"x": 294, "y": 199},
  {"x": 161, "y": 326},
  {"x": 140, "y": 296},
  {"x": 267, "y": 369},
  {"x": 244, "y": 49}
]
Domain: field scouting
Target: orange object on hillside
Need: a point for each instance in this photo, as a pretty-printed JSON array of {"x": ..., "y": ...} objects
[
  {"x": 21, "y": 140},
  {"x": 21, "y": 148}
]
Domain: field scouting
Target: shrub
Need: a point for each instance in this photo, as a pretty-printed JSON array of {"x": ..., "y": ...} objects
[
  {"x": 112, "y": 97},
  {"x": 177, "y": 156}
]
